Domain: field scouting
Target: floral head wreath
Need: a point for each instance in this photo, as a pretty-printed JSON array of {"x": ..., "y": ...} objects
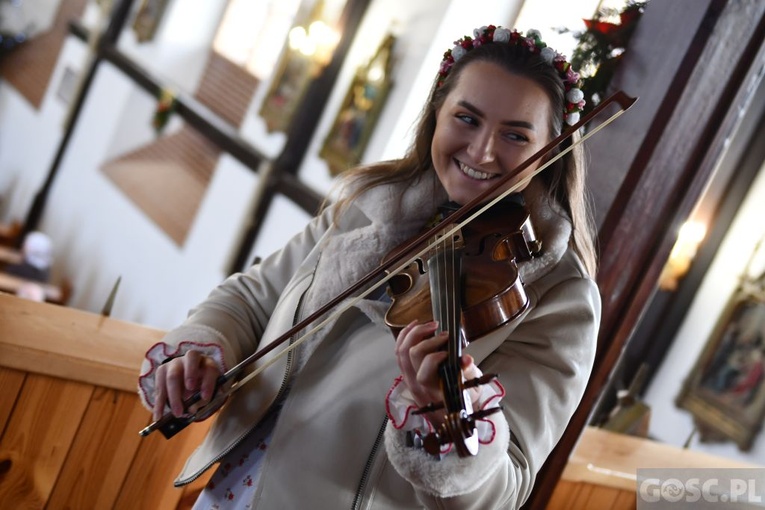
[{"x": 532, "y": 41}]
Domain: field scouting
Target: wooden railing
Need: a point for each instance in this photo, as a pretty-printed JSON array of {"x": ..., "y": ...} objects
[
  {"x": 602, "y": 470},
  {"x": 70, "y": 415}
]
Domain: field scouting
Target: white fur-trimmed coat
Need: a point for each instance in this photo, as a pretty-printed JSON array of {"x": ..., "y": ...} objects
[{"x": 331, "y": 448}]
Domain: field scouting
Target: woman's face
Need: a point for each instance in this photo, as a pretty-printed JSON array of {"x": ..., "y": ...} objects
[{"x": 490, "y": 123}]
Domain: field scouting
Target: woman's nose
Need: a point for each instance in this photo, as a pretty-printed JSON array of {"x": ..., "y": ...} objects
[{"x": 483, "y": 151}]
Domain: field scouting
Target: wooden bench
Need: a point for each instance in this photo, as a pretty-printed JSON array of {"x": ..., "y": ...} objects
[
  {"x": 602, "y": 470},
  {"x": 10, "y": 255},
  {"x": 9, "y": 233},
  {"x": 70, "y": 414},
  {"x": 53, "y": 293}
]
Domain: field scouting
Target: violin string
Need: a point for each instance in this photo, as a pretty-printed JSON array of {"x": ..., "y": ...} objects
[
  {"x": 352, "y": 301},
  {"x": 453, "y": 297}
]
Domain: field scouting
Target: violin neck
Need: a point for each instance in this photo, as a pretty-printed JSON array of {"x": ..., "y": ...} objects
[{"x": 444, "y": 273}]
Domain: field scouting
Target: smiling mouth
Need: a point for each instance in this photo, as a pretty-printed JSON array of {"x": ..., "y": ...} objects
[{"x": 473, "y": 173}]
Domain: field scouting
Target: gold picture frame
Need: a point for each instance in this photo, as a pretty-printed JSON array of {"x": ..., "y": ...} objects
[
  {"x": 293, "y": 75},
  {"x": 725, "y": 390},
  {"x": 352, "y": 128},
  {"x": 309, "y": 49},
  {"x": 148, "y": 18}
]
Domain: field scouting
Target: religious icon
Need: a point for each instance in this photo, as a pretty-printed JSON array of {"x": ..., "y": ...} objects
[
  {"x": 355, "y": 122},
  {"x": 147, "y": 19},
  {"x": 725, "y": 391},
  {"x": 309, "y": 49}
]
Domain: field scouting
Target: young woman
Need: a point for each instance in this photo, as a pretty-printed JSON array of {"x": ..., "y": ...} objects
[{"x": 331, "y": 425}]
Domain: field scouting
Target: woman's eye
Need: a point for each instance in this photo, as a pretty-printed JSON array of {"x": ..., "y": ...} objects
[
  {"x": 467, "y": 119},
  {"x": 516, "y": 137}
]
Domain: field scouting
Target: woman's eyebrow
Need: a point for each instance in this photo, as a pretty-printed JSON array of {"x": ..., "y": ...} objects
[{"x": 514, "y": 123}]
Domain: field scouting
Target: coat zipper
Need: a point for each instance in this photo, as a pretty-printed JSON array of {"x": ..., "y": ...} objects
[{"x": 368, "y": 467}]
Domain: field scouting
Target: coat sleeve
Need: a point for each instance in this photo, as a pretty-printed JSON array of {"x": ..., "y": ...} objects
[
  {"x": 229, "y": 323},
  {"x": 544, "y": 366}
]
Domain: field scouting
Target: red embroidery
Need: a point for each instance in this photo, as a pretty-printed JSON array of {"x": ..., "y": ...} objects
[
  {"x": 229, "y": 495},
  {"x": 247, "y": 481}
]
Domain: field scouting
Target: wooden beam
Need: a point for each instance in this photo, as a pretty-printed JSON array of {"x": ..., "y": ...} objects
[
  {"x": 665, "y": 180},
  {"x": 109, "y": 37}
]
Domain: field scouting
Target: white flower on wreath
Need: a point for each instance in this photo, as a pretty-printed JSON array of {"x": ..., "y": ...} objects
[
  {"x": 534, "y": 34},
  {"x": 478, "y": 32},
  {"x": 547, "y": 54},
  {"x": 574, "y": 96},
  {"x": 572, "y": 118},
  {"x": 458, "y": 52},
  {"x": 501, "y": 35}
]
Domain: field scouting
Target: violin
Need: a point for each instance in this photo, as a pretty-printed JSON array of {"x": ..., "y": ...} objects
[
  {"x": 170, "y": 425},
  {"x": 469, "y": 282},
  {"x": 491, "y": 292}
]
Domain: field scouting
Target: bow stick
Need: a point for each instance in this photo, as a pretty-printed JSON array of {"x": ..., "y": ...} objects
[{"x": 170, "y": 425}]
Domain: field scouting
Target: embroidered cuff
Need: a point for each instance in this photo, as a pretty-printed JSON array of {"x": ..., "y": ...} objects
[
  {"x": 400, "y": 405},
  {"x": 160, "y": 353}
]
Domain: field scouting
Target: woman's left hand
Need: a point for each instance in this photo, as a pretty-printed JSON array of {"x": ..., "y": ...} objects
[{"x": 419, "y": 352}]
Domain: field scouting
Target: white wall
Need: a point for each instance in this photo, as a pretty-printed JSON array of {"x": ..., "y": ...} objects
[
  {"x": 100, "y": 235},
  {"x": 424, "y": 30},
  {"x": 669, "y": 423}
]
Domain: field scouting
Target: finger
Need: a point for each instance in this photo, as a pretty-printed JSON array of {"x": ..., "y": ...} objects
[
  {"x": 175, "y": 386},
  {"x": 427, "y": 346},
  {"x": 413, "y": 333},
  {"x": 427, "y": 374},
  {"x": 426, "y": 387},
  {"x": 471, "y": 371},
  {"x": 404, "y": 341},
  {"x": 160, "y": 394},
  {"x": 469, "y": 368},
  {"x": 418, "y": 343},
  {"x": 209, "y": 380},
  {"x": 192, "y": 372}
]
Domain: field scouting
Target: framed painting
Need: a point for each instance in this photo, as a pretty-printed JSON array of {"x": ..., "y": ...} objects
[
  {"x": 293, "y": 75},
  {"x": 359, "y": 112},
  {"x": 148, "y": 18},
  {"x": 309, "y": 49},
  {"x": 725, "y": 390}
]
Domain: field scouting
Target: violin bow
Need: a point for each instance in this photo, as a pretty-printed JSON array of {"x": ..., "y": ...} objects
[{"x": 170, "y": 425}]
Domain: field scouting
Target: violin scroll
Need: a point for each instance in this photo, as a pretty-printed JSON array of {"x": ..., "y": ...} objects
[
  {"x": 456, "y": 427},
  {"x": 459, "y": 426}
]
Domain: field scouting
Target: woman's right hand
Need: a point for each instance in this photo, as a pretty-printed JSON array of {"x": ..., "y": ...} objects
[{"x": 180, "y": 378}]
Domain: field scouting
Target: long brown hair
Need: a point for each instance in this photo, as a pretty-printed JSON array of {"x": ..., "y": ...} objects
[{"x": 564, "y": 180}]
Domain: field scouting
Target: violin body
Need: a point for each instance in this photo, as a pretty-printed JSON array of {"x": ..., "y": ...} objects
[{"x": 491, "y": 290}]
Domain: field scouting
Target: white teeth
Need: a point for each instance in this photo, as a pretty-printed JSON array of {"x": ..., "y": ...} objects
[{"x": 475, "y": 174}]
